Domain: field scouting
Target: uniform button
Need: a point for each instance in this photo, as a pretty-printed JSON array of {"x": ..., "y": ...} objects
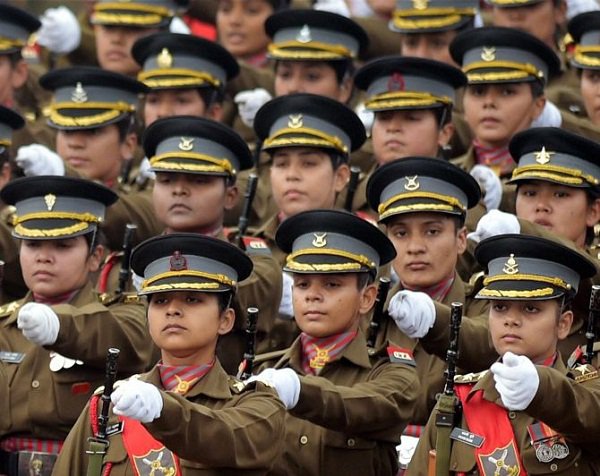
[
  {"x": 553, "y": 467},
  {"x": 512, "y": 415},
  {"x": 351, "y": 442},
  {"x": 303, "y": 439},
  {"x": 35, "y": 384}
]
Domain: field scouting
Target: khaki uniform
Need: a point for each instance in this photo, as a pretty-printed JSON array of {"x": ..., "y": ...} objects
[
  {"x": 430, "y": 368},
  {"x": 553, "y": 404},
  {"x": 349, "y": 419},
  {"x": 228, "y": 430},
  {"x": 36, "y": 401},
  {"x": 13, "y": 286}
]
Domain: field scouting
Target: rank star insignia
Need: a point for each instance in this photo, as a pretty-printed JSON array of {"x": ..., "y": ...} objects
[
  {"x": 511, "y": 266},
  {"x": 186, "y": 144},
  {"x": 411, "y": 183},
  {"x": 319, "y": 241},
  {"x": 295, "y": 121},
  {"x": 50, "y": 200},
  {"x": 543, "y": 156},
  {"x": 488, "y": 53},
  {"x": 304, "y": 35},
  {"x": 79, "y": 95},
  {"x": 164, "y": 59}
]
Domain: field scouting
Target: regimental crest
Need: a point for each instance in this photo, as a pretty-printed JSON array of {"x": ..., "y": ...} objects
[
  {"x": 186, "y": 144},
  {"x": 295, "y": 121},
  {"x": 511, "y": 266},
  {"x": 79, "y": 95},
  {"x": 411, "y": 183},
  {"x": 50, "y": 200},
  {"x": 320, "y": 240},
  {"x": 396, "y": 82},
  {"x": 304, "y": 35},
  {"x": 321, "y": 358},
  {"x": 164, "y": 59},
  {"x": 543, "y": 156},
  {"x": 488, "y": 53},
  {"x": 156, "y": 462},
  {"x": 177, "y": 262},
  {"x": 502, "y": 461},
  {"x": 420, "y": 4}
]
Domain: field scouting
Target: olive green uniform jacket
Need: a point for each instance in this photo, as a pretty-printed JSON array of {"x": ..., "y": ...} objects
[
  {"x": 37, "y": 402},
  {"x": 220, "y": 427},
  {"x": 348, "y": 420},
  {"x": 564, "y": 401}
]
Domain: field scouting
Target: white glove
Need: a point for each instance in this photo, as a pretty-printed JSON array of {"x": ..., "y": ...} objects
[
  {"x": 285, "y": 381},
  {"x": 413, "y": 312},
  {"x": 177, "y": 25},
  {"x": 491, "y": 185},
  {"x": 39, "y": 323},
  {"x": 286, "y": 306},
  {"x": 60, "y": 31},
  {"x": 138, "y": 400},
  {"x": 517, "y": 380},
  {"x": 136, "y": 281},
  {"x": 495, "y": 223},
  {"x": 333, "y": 6},
  {"x": 249, "y": 102},
  {"x": 144, "y": 173},
  {"x": 550, "y": 117},
  {"x": 575, "y": 7},
  {"x": 367, "y": 117},
  {"x": 36, "y": 159}
]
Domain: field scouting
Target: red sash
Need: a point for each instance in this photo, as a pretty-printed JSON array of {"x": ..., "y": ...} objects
[
  {"x": 499, "y": 449},
  {"x": 147, "y": 455}
]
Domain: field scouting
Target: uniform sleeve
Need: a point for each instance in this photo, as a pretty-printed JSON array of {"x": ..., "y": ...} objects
[
  {"x": 72, "y": 458},
  {"x": 378, "y": 408},
  {"x": 420, "y": 460},
  {"x": 247, "y": 435},
  {"x": 570, "y": 408},
  {"x": 87, "y": 332}
]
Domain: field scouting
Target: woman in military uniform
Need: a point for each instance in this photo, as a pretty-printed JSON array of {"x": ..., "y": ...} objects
[{"x": 53, "y": 342}]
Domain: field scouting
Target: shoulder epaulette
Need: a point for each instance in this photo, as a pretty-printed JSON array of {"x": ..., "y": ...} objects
[
  {"x": 8, "y": 215},
  {"x": 111, "y": 298},
  {"x": 267, "y": 356},
  {"x": 475, "y": 283},
  {"x": 8, "y": 309},
  {"x": 236, "y": 385},
  {"x": 470, "y": 377},
  {"x": 583, "y": 373}
]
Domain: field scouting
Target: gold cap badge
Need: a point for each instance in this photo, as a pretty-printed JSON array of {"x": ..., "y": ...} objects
[
  {"x": 511, "y": 266},
  {"x": 488, "y": 53},
  {"x": 186, "y": 144},
  {"x": 543, "y": 156},
  {"x": 79, "y": 95},
  {"x": 164, "y": 59},
  {"x": 50, "y": 200},
  {"x": 295, "y": 121},
  {"x": 411, "y": 183},
  {"x": 319, "y": 241},
  {"x": 304, "y": 35}
]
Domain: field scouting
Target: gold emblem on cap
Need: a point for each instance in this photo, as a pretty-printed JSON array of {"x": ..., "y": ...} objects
[
  {"x": 411, "y": 183},
  {"x": 295, "y": 121},
  {"x": 50, "y": 200},
  {"x": 543, "y": 156},
  {"x": 420, "y": 4},
  {"x": 511, "y": 266},
  {"x": 488, "y": 53},
  {"x": 186, "y": 143},
  {"x": 320, "y": 240},
  {"x": 304, "y": 35},
  {"x": 164, "y": 59},
  {"x": 79, "y": 94}
]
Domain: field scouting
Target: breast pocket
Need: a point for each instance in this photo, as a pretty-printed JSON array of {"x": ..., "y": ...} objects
[
  {"x": 72, "y": 389},
  {"x": 344, "y": 454}
]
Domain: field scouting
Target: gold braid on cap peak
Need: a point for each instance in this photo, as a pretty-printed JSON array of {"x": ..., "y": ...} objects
[
  {"x": 581, "y": 57},
  {"x": 559, "y": 173},
  {"x": 326, "y": 140},
  {"x": 7, "y": 43},
  {"x": 359, "y": 260},
  {"x": 219, "y": 165},
  {"x": 147, "y": 14},
  {"x": 518, "y": 71},
  {"x": 452, "y": 201},
  {"x": 51, "y": 233},
  {"x": 112, "y": 111},
  {"x": 404, "y": 98},
  {"x": 177, "y": 286},
  {"x": 219, "y": 278},
  {"x": 86, "y": 217},
  {"x": 294, "y": 49},
  {"x": 499, "y": 293},
  {"x": 184, "y": 77},
  {"x": 557, "y": 282},
  {"x": 430, "y": 17}
]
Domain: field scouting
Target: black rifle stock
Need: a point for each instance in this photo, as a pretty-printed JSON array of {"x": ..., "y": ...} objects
[
  {"x": 247, "y": 365},
  {"x": 590, "y": 333},
  {"x": 249, "y": 195},
  {"x": 352, "y": 186},
  {"x": 125, "y": 270}
]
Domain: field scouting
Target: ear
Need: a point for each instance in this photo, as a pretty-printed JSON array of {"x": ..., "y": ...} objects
[
  {"x": 445, "y": 134},
  {"x": 19, "y": 74},
  {"x": 367, "y": 298},
  {"x": 226, "y": 321},
  {"x": 565, "y": 321},
  {"x": 592, "y": 216},
  {"x": 560, "y": 13},
  {"x": 215, "y": 112},
  {"x": 537, "y": 107},
  {"x": 461, "y": 240},
  {"x": 346, "y": 89},
  {"x": 341, "y": 177},
  {"x": 95, "y": 258},
  {"x": 127, "y": 147},
  {"x": 231, "y": 196}
]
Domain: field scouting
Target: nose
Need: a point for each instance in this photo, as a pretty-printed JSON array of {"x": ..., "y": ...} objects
[
  {"x": 415, "y": 245},
  {"x": 173, "y": 310},
  {"x": 180, "y": 186},
  {"x": 512, "y": 319}
]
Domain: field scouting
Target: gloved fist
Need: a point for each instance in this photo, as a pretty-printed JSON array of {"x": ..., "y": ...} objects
[
  {"x": 333, "y": 6},
  {"x": 249, "y": 102},
  {"x": 177, "y": 25},
  {"x": 286, "y": 306},
  {"x": 39, "y": 323},
  {"x": 367, "y": 117},
  {"x": 413, "y": 312},
  {"x": 517, "y": 380},
  {"x": 144, "y": 172},
  {"x": 60, "y": 31},
  {"x": 550, "y": 116},
  {"x": 495, "y": 223},
  {"x": 285, "y": 381},
  {"x": 138, "y": 400},
  {"x": 490, "y": 184},
  {"x": 36, "y": 159}
]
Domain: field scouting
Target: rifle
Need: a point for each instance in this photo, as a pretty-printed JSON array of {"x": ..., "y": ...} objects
[
  {"x": 352, "y": 186},
  {"x": 249, "y": 195},
  {"x": 590, "y": 333},
  {"x": 247, "y": 365},
  {"x": 378, "y": 311},
  {"x": 130, "y": 229},
  {"x": 98, "y": 444},
  {"x": 448, "y": 403}
]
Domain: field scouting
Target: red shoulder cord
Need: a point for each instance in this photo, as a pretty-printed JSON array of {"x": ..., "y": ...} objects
[{"x": 94, "y": 422}]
